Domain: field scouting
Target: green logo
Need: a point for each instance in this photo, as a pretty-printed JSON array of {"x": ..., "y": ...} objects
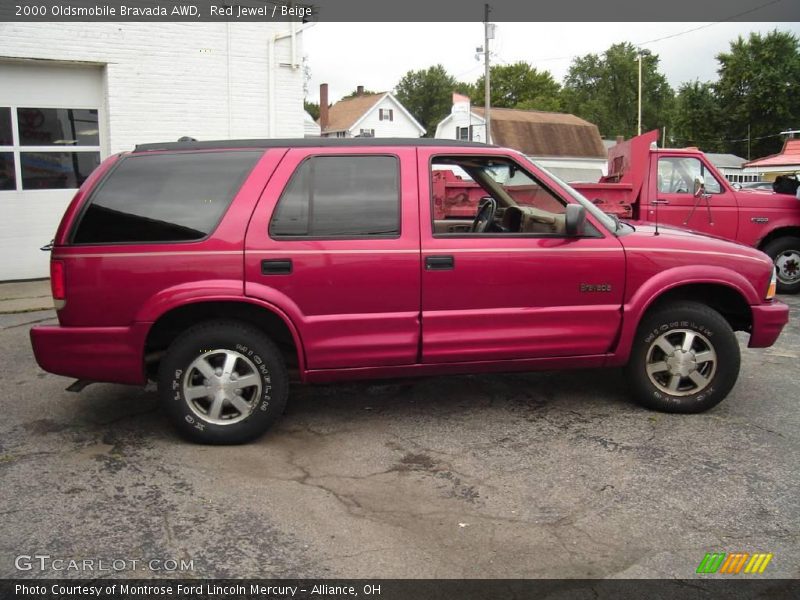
[{"x": 733, "y": 562}]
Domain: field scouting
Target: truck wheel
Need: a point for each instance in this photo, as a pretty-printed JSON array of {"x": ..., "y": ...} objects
[
  {"x": 785, "y": 253},
  {"x": 223, "y": 382},
  {"x": 685, "y": 359}
]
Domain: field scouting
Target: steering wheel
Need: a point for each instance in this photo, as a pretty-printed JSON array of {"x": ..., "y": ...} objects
[{"x": 485, "y": 216}]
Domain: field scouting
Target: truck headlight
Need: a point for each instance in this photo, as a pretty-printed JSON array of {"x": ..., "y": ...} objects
[{"x": 773, "y": 284}]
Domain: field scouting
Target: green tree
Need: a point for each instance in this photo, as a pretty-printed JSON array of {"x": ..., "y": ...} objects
[
  {"x": 519, "y": 86},
  {"x": 311, "y": 108},
  {"x": 428, "y": 95},
  {"x": 604, "y": 90},
  {"x": 759, "y": 86},
  {"x": 697, "y": 119}
]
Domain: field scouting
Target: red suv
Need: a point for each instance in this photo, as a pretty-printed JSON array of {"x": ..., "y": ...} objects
[{"x": 221, "y": 269}]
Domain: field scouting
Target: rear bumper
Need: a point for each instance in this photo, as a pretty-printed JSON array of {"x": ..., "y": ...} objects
[
  {"x": 112, "y": 354},
  {"x": 768, "y": 322}
]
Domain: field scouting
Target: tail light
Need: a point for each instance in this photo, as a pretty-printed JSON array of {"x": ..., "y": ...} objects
[{"x": 58, "y": 283}]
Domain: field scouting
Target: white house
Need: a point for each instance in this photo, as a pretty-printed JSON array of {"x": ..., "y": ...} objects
[
  {"x": 732, "y": 167},
  {"x": 367, "y": 115},
  {"x": 71, "y": 94},
  {"x": 310, "y": 126}
]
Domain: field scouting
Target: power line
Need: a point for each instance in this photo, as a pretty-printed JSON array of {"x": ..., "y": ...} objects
[
  {"x": 731, "y": 18},
  {"x": 720, "y": 141},
  {"x": 470, "y": 70},
  {"x": 680, "y": 33}
]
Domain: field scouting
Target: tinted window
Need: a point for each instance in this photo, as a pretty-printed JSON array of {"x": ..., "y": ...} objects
[
  {"x": 340, "y": 196},
  {"x": 163, "y": 198},
  {"x": 5, "y": 127},
  {"x": 7, "y": 176},
  {"x": 56, "y": 170},
  {"x": 58, "y": 127}
]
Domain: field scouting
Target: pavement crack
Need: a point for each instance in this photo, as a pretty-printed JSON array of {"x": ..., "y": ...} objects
[
  {"x": 168, "y": 529},
  {"x": 27, "y": 323}
]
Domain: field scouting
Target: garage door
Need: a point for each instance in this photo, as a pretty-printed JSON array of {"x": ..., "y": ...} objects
[{"x": 51, "y": 137}]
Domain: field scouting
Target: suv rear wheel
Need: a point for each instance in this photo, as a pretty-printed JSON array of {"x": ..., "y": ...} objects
[
  {"x": 223, "y": 382},
  {"x": 685, "y": 359}
]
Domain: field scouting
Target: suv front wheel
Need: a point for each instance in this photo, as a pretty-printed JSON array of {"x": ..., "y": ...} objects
[
  {"x": 685, "y": 359},
  {"x": 223, "y": 382}
]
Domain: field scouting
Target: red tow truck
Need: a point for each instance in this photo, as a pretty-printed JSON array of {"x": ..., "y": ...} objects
[{"x": 680, "y": 187}]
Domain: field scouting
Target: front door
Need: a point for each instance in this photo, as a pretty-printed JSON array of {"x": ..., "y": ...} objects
[
  {"x": 515, "y": 285},
  {"x": 714, "y": 212}
]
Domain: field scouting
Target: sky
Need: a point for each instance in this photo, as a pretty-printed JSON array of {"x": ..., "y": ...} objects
[{"x": 377, "y": 55}]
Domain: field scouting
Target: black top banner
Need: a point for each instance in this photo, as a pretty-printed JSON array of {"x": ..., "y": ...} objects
[
  {"x": 403, "y": 11},
  {"x": 393, "y": 589}
]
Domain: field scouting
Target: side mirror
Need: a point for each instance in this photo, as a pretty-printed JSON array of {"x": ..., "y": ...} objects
[
  {"x": 574, "y": 219},
  {"x": 699, "y": 186},
  {"x": 736, "y": 186}
]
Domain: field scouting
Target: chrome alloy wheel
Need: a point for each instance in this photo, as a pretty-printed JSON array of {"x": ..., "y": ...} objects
[
  {"x": 681, "y": 362},
  {"x": 222, "y": 387},
  {"x": 788, "y": 266}
]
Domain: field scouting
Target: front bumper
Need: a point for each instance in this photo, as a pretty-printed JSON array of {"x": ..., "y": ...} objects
[
  {"x": 111, "y": 354},
  {"x": 768, "y": 322}
]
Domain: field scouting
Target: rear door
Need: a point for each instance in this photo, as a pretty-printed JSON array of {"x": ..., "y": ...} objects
[
  {"x": 334, "y": 243},
  {"x": 502, "y": 295},
  {"x": 715, "y": 213}
]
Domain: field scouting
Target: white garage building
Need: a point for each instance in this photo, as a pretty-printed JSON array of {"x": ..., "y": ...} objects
[{"x": 71, "y": 94}]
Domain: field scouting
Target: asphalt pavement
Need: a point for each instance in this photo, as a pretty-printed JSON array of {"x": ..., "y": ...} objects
[{"x": 526, "y": 475}]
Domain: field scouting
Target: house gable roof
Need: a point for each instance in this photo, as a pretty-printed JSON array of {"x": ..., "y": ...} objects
[
  {"x": 541, "y": 133},
  {"x": 346, "y": 114}
]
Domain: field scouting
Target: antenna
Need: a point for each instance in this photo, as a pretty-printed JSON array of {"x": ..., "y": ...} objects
[{"x": 657, "y": 201}]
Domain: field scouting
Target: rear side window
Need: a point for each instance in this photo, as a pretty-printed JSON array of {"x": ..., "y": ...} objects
[
  {"x": 340, "y": 197},
  {"x": 164, "y": 198}
]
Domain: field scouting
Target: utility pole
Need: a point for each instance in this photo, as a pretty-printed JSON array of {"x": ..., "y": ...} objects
[
  {"x": 488, "y": 31},
  {"x": 639, "y": 127}
]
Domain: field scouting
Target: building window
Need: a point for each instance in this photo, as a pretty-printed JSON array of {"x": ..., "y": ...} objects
[
  {"x": 8, "y": 171},
  {"x": 386, "y": 114},
  {"x": 8, "y": 174},
  {"x": 366, "y": 133},
  {"x": 56, "y": 170},
  {"x": 340, "y": 197},
  {"x": 58, "y": 127},
  {"x": 464, "y": 133},
  {"x": 47, "y": 148},
  {"x": 6, "y": 139}
]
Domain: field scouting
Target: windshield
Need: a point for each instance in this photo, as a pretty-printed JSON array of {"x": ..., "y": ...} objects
[{"x": 608, "y": 222}]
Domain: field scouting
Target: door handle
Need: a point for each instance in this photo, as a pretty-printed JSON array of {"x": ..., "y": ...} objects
[
  {"x": 659, "y": 201},
  {"x": 439, "y": 263},
  {"x": 277, "y": 266}
]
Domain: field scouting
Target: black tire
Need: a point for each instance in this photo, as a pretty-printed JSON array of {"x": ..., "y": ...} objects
[
  {"x": 701, "y": 384},
  {"x": 256, "y": 364},
  {"x": 785, "y": 253}
]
